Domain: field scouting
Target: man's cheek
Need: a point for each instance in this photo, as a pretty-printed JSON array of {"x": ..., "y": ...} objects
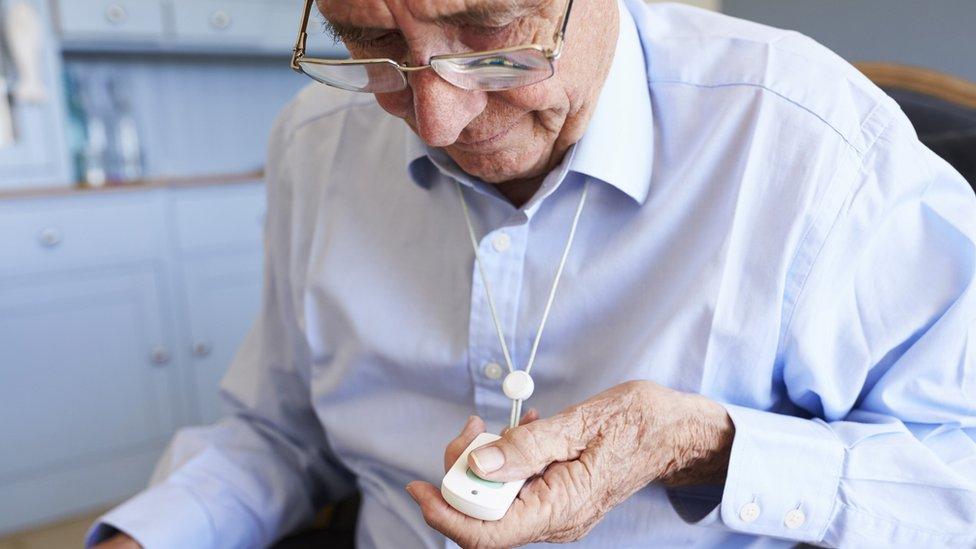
[
  {"x": 528, "y": 98},
  {"x": 399, "y": 104}
]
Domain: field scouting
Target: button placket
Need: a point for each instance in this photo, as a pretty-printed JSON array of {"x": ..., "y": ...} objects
[
  {"x": 493, "y": 371},
  {"x": 501, "y": 242},
  {"x": 503, "y": 258}
]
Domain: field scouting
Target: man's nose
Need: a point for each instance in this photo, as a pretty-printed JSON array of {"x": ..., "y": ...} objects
[{"x": 442, "y": 110}]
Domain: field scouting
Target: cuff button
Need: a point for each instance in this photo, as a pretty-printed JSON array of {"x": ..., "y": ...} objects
[
  {"x": 750, "y": 512},
  {"x": 794, "y": 519}
]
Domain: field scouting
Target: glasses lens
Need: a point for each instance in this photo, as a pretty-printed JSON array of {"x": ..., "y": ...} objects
[
  {"x": 363, "y": 77},
  {"x": 498, "y": 71}
]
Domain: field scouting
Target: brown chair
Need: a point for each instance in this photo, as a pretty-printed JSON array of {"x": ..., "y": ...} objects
[
  {"x": 941, "y": 107},
  {"x": 333, "y": 528}
]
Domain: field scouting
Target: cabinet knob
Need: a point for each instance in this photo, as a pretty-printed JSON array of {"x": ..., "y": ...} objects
[
  {"x": 50, "y": 237},
  {"x": 220, "y": 20},
  {"x": 116, "y": 14},
  {"x": 160, "y": 356},
  {"x": 201, "y": 349}
]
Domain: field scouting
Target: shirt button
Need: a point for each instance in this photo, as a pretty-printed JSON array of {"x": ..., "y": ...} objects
[
  {"x": 502, "y": 242},
  {"x": 749, "y": 512},
  {"x": 794, "y": 519},
  {"x": 493, "y": 370}
]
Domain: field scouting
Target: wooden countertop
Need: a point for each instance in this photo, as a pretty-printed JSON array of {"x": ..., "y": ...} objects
[{"x": 142, "y": 185}]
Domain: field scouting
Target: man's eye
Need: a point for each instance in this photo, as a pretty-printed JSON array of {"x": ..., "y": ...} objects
[
  {"x": 382, "y": 40},
  {"x": 487, "y": 32}
]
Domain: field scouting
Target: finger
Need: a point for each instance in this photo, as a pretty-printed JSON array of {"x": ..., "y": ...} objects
[
  {"x": 439, "y": 515},
  {"x": 527, "y": 449},
  {"x": 474, "y": 427},
  {"x": 528, "y": 418}
]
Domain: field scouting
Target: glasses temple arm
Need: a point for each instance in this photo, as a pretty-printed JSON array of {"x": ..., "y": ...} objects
[
  {"x": 561, "y": 33},
  {"x": 299, "y": 50}
]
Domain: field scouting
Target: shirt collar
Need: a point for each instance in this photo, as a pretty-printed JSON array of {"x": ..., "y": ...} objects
[{"x": 618, "y": 144}]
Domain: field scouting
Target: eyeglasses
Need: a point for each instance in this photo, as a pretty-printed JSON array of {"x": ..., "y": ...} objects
[{"x": 492, "y": 70}]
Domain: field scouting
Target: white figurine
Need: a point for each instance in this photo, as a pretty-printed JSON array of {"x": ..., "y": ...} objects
[
  {"x": 6, "y": 116},
  {"x": 22, "y": 25}
]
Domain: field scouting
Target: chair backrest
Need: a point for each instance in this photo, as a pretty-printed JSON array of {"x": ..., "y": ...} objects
[{"x": 942, "y": 108}]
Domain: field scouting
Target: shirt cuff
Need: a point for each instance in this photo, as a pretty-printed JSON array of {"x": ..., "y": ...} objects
[
  {"x": 783, "y": 476},
  {"x": 186, "y": 524}
]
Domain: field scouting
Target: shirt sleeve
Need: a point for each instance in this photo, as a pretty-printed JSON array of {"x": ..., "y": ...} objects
[
  {"x": 266, "y": 468},
  {"x": 877, "y": 444}
]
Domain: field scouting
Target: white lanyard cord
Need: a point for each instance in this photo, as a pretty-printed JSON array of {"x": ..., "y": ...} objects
[{"x": 517, "y": 404}]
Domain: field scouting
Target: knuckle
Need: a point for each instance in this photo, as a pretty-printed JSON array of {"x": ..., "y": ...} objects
[
  {"x": 428, "y": 519},
  {"x": 524, "y": 443}
]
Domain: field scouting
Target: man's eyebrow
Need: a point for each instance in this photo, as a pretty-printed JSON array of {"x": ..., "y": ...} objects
[
  {"x": 485, "y": 14},
  {"x": 353, "y": 33}
]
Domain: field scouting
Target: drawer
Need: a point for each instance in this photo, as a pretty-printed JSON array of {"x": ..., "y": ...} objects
[
  {"x": 220, "y": 217},
  {"x": 221, "y": 21},
  {"x": 111, "y": 18},
  {"x": 56, "y": 233}
]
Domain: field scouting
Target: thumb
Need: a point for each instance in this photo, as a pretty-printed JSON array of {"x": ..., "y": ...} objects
[{"x": 526, "y": 450}]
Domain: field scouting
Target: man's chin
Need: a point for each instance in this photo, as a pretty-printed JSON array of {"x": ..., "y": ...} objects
[{"x": 493, "y": 167}]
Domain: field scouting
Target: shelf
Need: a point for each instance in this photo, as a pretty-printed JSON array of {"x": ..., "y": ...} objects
[
  {"x": 142, "y": 185},
  {"x": 81, "y": 46}
]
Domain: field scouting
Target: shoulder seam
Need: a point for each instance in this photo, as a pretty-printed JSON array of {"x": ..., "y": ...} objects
[
  {"x": 840, "y": 134},
  {"x": 292, "y": 130}
]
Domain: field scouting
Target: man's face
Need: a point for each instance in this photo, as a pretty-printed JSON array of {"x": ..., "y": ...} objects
[{"x": 498, "y": 136}]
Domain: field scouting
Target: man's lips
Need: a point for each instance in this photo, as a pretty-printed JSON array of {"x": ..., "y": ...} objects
[{"x": 481, "y": 142}]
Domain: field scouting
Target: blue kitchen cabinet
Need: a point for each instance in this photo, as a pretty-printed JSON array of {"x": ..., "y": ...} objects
[
  {"x": 86, "y": 376},
  {"x": 86, "y": 394},
  {"x": 39, "y": 155},
  {"x": 112, "y": 20},
  {"x": 119, "y": 313},
  {"x": 270, "y": 25},
  {"x": 219, "y": 242},
  {"x": 247, "y": 27},
  {"x": 223, "y": 296}
]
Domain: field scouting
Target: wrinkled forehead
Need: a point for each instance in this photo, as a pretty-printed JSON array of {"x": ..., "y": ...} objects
[{"x": 385, "y": 13}]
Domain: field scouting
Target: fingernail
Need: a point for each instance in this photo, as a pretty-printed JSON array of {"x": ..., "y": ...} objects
[
  {"x": 410, "y": 491},
  {"x": 488, "y": 459}
]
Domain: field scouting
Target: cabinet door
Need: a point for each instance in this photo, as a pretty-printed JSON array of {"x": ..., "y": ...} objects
[
  {"x": 86, "y": 388},
  {"x": 219, "y": 237},
  {"x": 223, "y": 295},
  {"x": 39, "y": 155},
  {"x": 111, "y": 19},
  {"x": 269, "y": 26}
]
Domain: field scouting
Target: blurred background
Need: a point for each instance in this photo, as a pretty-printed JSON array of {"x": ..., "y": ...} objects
[{"x": 132, "y": 140}]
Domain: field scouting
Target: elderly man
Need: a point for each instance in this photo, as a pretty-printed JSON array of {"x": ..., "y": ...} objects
[{"x": 765, "y": 329}]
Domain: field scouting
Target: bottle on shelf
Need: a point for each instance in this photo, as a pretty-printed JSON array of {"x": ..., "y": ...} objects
[
  {"x": 125, "y": 158},
  {"x": 91, "y": 154}
]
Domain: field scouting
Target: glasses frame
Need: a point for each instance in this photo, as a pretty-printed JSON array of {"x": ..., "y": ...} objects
[{"x": 298, "y": 53}]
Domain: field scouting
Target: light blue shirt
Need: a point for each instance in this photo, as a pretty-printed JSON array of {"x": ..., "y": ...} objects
[{"x": 763, "y": 227}]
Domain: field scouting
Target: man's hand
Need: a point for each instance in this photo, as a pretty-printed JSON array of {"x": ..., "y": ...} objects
[
  {"x": 590, "y": 458},
  {"x": 118, "y": 541}
]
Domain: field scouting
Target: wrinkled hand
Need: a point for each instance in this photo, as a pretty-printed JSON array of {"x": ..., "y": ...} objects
[{"x": 589, "y": 458}]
